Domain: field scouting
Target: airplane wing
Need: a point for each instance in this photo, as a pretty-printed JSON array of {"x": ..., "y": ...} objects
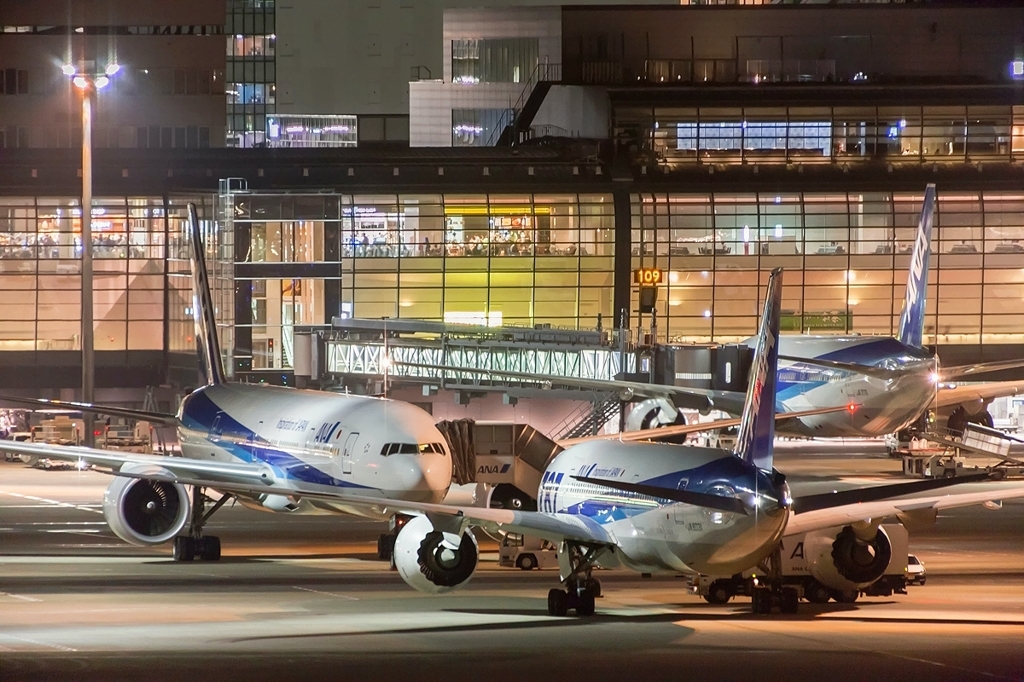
[
  {"x": 205, "y": 473},
  {"x": 954, "y": 372},
  {"x": 818, "y": 519},
  {"x": 663, "y": 432},
  {"x": 547, "y": 526},
  {"x": 965, "y": 393},
  {"x": 262, "y": 479},
  {"x": 141, "y": 415}
]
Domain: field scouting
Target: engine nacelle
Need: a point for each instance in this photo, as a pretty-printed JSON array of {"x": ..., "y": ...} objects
[
  {"x": 842, "y": 561},
  {"x": 653, "y": 413},
  {"x": 144, "y": 511},
  {"x": 428, "y": 560}
]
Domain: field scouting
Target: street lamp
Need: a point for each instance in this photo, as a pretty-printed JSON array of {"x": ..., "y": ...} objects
[{"x": 87, "y": 81}]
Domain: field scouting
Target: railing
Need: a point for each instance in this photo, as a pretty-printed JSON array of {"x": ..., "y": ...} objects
[
  {"x": 677, "y": 71},
  {"x": 790, "y": 70},
  {"x": 420, "y": 73},
  {"x": 542, "y": 72}
]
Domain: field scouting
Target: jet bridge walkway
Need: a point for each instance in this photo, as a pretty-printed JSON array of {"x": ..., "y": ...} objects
[{"x": 409, "y": 351}]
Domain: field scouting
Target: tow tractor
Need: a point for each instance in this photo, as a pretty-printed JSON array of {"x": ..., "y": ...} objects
[
  {"x": 798, "y": 579},
  {"x": 526, "y": 552}
]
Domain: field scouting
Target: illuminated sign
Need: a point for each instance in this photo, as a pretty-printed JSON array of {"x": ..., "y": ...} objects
[{"x": 648, "y": 276}]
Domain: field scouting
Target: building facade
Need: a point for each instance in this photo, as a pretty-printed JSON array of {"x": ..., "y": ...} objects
[
  {"x": 722, "y": 157},
  {"x": 167, "y": 94}
]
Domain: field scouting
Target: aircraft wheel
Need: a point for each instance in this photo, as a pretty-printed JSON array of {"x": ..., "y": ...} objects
[
  {"x": 790, "y": 600},
  {"x": 585, "y": 604},
  {"x": 385, "y": 546},
  {"x": 816, "y": 593},
  {"x": 592, "y": 587},
  {"x": 719, "y": 592},
  {"x": 209, "y": 548},
  {"x": 845, "y": 596},
  {"x": 526, "y": 562},
  {"x": 761, "y": 600},
  {"x": 558, "y": 602},
  {"x": 184, "y": 548}
]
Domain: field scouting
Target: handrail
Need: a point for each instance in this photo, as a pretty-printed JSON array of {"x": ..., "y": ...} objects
[{"x": 550, "y": 72}]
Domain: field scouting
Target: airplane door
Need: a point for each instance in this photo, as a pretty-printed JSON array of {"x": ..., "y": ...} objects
[
  {"x": 678, "y": 509},
  {"x": 346, "y": 455}
]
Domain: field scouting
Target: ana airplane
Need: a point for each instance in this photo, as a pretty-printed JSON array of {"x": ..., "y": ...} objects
[
  {"x": 656, "y": 507},
  {"x": 273, "y": 440},
  {"x": 886, "y": 384}
]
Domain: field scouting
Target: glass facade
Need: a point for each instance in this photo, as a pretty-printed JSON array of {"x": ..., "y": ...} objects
[
  {"x": 930, "y": 134},
  {"x": 494, "y": 60},
  {"x": 40, "y": 273},
  {"x": 251, "y": 78},
  {"x": 846, "y": 257},
  {"x": 480, "y": 258}
]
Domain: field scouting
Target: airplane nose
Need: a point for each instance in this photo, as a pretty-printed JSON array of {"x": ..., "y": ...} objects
[{"x": 423, "y": 477}]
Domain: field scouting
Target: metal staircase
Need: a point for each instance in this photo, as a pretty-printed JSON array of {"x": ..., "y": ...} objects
[
  {"x": 589, "y": 418},
  {"x": 514, "y": 124}
]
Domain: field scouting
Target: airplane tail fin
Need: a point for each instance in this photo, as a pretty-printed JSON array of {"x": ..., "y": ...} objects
[
  {"x": 211, "y": 365},
  {"x": 912, "y": 318},
  {"x": 755, "y": 442}
]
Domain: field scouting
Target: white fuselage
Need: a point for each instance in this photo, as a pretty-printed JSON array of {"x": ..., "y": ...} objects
[
  {"x": 652, "y": 535},
  {"x": 876, "y": 406},
  {"x": 313, "y": 441}
]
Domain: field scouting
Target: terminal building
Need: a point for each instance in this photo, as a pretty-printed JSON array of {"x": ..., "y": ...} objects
[{"x": 662, "y": 137}]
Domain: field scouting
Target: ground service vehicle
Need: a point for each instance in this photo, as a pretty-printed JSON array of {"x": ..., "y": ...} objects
[
  {"x": 527, "y": 552},
  {"x": 916, "y": 574},
  {"x": 807, "y": 565}
]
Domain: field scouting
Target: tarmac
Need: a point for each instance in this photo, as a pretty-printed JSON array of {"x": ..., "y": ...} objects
[{"x": 305, "y": 598}]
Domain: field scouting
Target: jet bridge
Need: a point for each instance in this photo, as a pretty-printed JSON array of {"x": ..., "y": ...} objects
[
  {"x": 411, "y": 351},
  {"x": 508, "y": 458}
]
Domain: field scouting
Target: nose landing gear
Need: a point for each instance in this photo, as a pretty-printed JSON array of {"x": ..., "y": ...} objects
[{"x": 581, "y": 589}]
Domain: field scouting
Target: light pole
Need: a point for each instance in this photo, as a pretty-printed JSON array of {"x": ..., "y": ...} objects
[{"x": 88, "y": 83}]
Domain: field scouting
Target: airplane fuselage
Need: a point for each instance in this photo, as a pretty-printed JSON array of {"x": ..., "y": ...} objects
[
  {"x": 877, "y": 406},
  {"x": 652, "y": 535},
  {"x": 315, "y": 441}
]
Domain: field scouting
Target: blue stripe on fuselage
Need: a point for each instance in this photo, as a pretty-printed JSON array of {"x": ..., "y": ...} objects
[
  {"x": 241, "y": 442},
  {"x": 800, "y": 377},
  {"x": 613, "y": 505}
]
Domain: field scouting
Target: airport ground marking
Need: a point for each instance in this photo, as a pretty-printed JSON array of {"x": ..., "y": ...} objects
[
  {"x": 56, "y": 503},
  {"x": 29, "y": 640},
  {"x": 330, "y": 594},
  {"x": 18, "y": 596}
]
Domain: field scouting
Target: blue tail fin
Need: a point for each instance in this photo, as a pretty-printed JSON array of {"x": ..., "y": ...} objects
[
  {"x": 202, "y": 306},
  {"x": 755, "y": 442},
  {"x": 912, "y": 317}
]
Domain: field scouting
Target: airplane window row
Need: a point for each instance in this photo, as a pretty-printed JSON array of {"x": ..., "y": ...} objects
[{"x": 411, "y": 449}]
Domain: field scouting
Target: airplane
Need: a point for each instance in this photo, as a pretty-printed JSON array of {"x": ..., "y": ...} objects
[
  {"x": 886, "y": 384},
  {"x": 653, "y": 507},
  {"x": 265, "y": 436}
]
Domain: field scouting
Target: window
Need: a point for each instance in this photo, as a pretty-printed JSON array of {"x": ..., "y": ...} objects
[
  {"x": 13, "y": 82},
  {"x": 411, "y": 449},
  {"x": 494, "y": 60}
]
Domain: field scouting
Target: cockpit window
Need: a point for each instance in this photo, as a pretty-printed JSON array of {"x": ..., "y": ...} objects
[{"x": 411, "y": 449}]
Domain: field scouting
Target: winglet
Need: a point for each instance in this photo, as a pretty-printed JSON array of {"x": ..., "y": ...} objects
[
  {"x": 755, "y": 442},
  {"x": 202, "y": 306},
  {"x": 912, "y": 318}
]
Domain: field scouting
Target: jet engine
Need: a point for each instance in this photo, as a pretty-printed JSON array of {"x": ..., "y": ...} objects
[
  {"x": 653, "y": 413},
  {"x": 845, "y": 561},
  {"x": 433, "y": 561},
  {"x": 145, "y": 511}
]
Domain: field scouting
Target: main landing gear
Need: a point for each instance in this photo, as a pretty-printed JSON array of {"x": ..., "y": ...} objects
[
  {"x": 195, "y": 545},
  {"x": 581, "y": 590},
  {"x": 386, "y": 542},
  {"x": 764, "y": 597}
]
